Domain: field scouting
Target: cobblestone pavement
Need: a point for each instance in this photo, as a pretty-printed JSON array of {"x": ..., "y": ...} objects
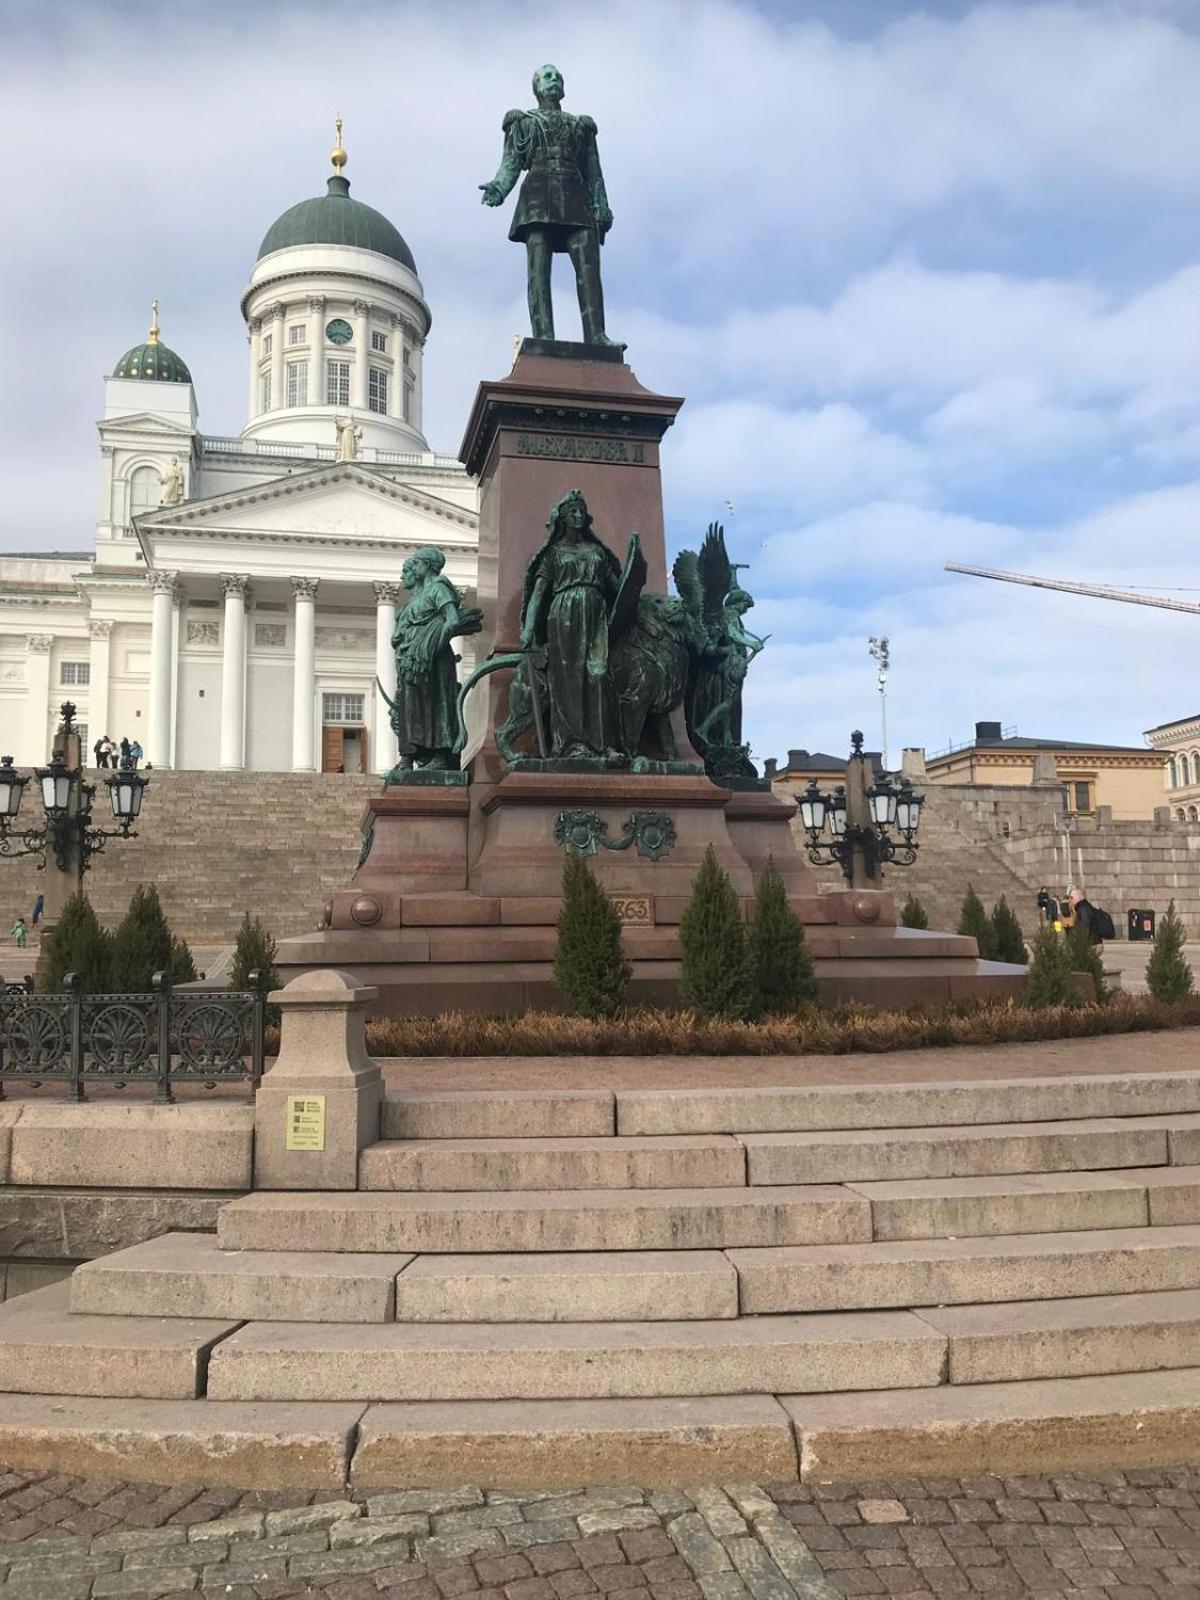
[{"x": 1119, "y": 1536}]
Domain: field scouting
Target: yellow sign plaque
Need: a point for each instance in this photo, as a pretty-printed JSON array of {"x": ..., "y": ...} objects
[{"x": 305, "y": 1122}]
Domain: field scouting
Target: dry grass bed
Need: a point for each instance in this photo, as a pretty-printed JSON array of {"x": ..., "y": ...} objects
[{"x": 808, "y": 1032}]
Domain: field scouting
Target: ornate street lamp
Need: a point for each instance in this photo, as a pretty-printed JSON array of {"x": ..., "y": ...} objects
[
  {"x": 887, "y": 832},
  {"x": 67, "y": 832}
]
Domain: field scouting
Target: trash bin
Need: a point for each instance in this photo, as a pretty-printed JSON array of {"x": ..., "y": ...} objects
[{"x": 1141, "y": 924}]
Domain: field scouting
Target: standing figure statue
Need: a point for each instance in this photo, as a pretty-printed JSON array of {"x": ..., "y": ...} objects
[
  {"x": 424, "y": 714},
  {"x": 172, "y": 483},
  {"x": 718, "y": 605},
  {"x": 562, "y": 206},
  {"x": 570, "y": 588},
  {"x": 349, "y": 437}
]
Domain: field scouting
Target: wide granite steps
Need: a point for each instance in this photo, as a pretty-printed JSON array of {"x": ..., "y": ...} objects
[
  {"x": 670, "y": 1161},
  {"x": 46, "y": 1347},
  {"x": 535, "y": 1220},
  {"x": 1033, "y": 1428}
]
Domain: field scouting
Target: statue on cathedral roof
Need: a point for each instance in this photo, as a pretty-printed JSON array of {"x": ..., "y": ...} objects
[{"x": 562, "y": 208}]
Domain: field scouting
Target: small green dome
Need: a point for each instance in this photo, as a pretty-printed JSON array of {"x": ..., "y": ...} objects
[
  {"x": 154, "y": 361},
  {"x": 334, "y": 218}
]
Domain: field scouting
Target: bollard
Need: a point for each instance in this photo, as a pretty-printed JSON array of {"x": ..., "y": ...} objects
[{"x": 319, "y": 1105}]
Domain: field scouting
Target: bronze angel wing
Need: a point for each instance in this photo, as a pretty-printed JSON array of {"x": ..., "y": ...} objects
[
  {"x": 715, "y": 572},
  {"x": 686, "y": 573},
  {"x": 633, "y": 580}
]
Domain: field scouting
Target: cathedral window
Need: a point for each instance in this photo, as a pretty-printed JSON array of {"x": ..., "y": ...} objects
[
  {"x": 379, "y": 342},
  {"x": 342, "y": 708},
  {"x": 264, "y": 391},
  {"x": 75, "y": 674},
  {"x": 337, "y": 383},
  {"x": 408, "y": 389},
  {"x": 377, "y": 390},
  {"x": 268, "y": 341},
  {"x": 145, "y": 491},
  {"x": 407, "y": 356},
  {"x": 297, "y": 383},
  {"x": 296, "y": 333}
]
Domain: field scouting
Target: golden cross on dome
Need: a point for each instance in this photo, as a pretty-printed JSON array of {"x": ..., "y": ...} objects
[
  {"x": 153, "y": 339},
  {"x": 338, "y": 155}
]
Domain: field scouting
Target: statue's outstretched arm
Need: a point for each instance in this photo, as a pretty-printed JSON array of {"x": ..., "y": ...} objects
[{"x": 497, "y": 189}]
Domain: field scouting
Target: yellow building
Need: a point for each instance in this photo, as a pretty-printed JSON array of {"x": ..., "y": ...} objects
[
  {"x": 1125, "y": 778},
  {"x": 1179, "y": 747}
]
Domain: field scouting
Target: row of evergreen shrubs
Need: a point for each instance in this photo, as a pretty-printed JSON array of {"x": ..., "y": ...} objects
[
  {"x": 125, "y": 960},
  {"x": 730, "y": 968}
]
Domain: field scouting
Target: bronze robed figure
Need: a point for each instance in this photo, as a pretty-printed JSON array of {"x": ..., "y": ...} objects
[
  {"x": 570, "y": 588},
  {"x": 562, "y": 207},
  {"x": 424, "y": 715}
]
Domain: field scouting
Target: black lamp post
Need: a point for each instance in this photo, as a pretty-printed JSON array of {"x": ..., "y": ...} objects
[
  {"x": 867, "y": 826},
  {"x": 67, "y": 831}
]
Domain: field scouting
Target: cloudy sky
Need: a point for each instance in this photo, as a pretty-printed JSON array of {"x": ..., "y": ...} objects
[{"x": 929, "y": 277}]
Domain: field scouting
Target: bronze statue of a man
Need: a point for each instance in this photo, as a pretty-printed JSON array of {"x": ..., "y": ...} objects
[{"x": 562, "y": 205}]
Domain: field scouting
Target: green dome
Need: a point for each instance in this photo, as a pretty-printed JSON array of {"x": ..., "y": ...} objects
[
  {"x": 334, "y": 218},
  {"x": 154, "y": 361}
]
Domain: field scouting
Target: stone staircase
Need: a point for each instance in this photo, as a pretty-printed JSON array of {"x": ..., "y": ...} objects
[
  {"x": 536, "y": 1288},
  {"x": 957, "y": 849},
  {"x": 219, "y": 843}
]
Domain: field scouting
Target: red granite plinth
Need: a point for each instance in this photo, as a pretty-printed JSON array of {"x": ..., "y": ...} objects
[{"x": 520, "y": 856}]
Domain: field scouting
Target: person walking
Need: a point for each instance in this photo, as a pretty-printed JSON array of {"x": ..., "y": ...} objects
[
  {"x": 20, "y": 932},
  {"x": 39, "y": 909}
]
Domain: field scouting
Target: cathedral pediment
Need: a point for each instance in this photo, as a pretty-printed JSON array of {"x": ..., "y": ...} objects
[
  {"x": 147, "y": 422},
  {"x": 342, "y": 502}
]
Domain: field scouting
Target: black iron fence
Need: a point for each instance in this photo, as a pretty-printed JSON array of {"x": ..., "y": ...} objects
[{"x": 164, "y": 1039}]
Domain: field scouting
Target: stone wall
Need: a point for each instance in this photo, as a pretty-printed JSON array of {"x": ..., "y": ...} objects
[{"x": 220, "y": 843}]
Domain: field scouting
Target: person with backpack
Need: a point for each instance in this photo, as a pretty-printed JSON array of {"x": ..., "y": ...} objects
[
  {"x": 1047, "y": 906},
  {"x": 1098, "y": 923}
]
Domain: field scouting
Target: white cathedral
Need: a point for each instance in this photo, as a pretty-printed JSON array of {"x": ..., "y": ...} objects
[{"x": 238, "y": 609}]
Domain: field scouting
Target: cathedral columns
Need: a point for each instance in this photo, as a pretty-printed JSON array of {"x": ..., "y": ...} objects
[
  {"x": 275, "y": 325},
  {"x": 99, "y": 655},
  {"x": 158, "y": 734},
  {"x": 316, "y": 345},
  {"x": 304, "y": 675},
  {"x": 385, "y": 752},
  {"x": 362, "y": 346},
  {"x": 37, "y": 698},
  {"x": 233, "y": 672}
]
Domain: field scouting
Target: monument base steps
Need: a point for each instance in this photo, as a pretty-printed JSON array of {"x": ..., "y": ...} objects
[{"x": 936, "y": 1279}]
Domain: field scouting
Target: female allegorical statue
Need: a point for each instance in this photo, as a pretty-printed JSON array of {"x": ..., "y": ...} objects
[
  {"x": 570, "y": 587},
  {"x": 424, "y": 714}
]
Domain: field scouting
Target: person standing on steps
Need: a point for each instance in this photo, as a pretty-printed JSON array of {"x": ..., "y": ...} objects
[
  {"x": 39, "y": 910},
  {"x": 20, "y": 932}
]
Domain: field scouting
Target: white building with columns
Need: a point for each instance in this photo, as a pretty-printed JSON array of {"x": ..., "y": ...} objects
[{"x": 237, "y": 609}]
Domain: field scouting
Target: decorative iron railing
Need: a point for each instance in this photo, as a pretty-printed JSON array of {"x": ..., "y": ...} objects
[{"x": 164, "y": 1039}]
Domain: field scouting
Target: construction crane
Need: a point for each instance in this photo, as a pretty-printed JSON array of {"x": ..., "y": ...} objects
[{"x": 1097, "y": 591}]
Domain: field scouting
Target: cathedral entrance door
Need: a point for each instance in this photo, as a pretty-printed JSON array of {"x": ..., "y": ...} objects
[{"x": 343, "y": 749}]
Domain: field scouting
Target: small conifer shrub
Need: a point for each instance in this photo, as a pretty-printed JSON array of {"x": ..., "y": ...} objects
[
  {"x": 1086, "y": 957},
  {"x": 1008, "y": 942},
  {"x": 913, "y": 914},
  {"x": 590, "y": 968},
  {"x": 1049, "y": 981},
  {"x": 780, "y": 960},
  {"x": 254, "y": 951},
  {"x": 77, "y": 943},
  {"x": 715, "y": 974},
  {"x": 974, "y": 922},
  {"x": 1168, "y": 975},
  {"x": 144, "y": 944}
]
